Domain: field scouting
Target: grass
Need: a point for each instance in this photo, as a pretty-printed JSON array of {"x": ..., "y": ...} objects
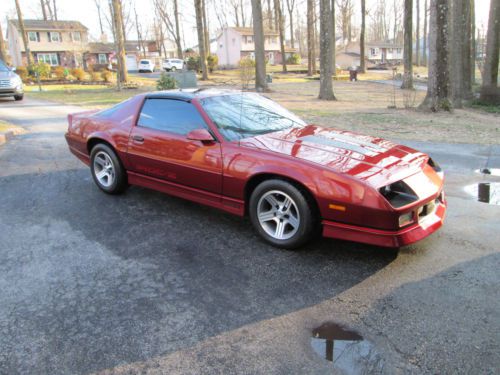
[
  {"x": 4, "y": 126},
  {"x": 490, "y": 108}
]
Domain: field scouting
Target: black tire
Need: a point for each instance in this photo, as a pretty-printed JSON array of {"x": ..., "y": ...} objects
[
  {"x": 18, "y": 97},
  {"x": 306, "y": 213},
  {"x": 173, "y": 69},
  {"x": 119, "y": 182}
]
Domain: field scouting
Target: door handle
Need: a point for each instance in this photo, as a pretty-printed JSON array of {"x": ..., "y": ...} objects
[{"x": 138, "y": 138}]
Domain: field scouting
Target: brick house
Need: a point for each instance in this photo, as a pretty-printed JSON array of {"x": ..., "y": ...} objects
[
  {"x": 53, "y": 42},
  {"x": 235, "y": 43}
]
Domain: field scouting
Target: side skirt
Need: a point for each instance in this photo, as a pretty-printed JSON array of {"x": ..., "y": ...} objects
[{"x": 233, "y": 206}]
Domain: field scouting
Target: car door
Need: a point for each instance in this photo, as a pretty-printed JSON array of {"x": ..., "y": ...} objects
[{"x": 158, "y": 146}]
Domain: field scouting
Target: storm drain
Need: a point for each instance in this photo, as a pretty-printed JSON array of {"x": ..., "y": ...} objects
[{"x": 346, "y": 350}]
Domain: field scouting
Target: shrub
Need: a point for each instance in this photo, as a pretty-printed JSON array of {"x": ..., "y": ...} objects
[
  {"x": 22, "y": 72},
  {"x": 293, "y": 59},
  {"x": 96, "y": 76},
  {"x": 60, "y": 72},
  {"x": 247, "y": 70},
  {"x": 106, "y": 75},
  {"x": 212, "y": 62},
  {"x": 166, "y": 82},
  {"x": 41, "y": 69},
  {"x": 193, "y": 63},
  {"x": 78, "y": 73}
]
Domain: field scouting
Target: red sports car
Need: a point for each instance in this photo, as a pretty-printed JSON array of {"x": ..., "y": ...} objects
[{"x": 245, "y": 154}]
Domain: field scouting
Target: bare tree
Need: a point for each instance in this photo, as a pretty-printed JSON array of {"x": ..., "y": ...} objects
[
  {"x": 99, "y": 14},
  {"x": 44, "y": 11},
  {"x": 242, "y": 11},
  {"x": 408, "y": 46},
  {"x": 201, "y": 38},
  {"x": 397, "y": 21},
  {"x": 438, "y": 84},
  {"x": 489, "y": 90},
  {"x": 362, "y": 38},
  {"x": 290, "y": 4},
  {"x": 333, "y": 39},
  {"x": 417, "y": 34},
  {"x": 473, "y": 41},
  {"x": 120, "y": 42},
  {"x": 177, "y": 34},
  {"x": 310, "y": 37},
  {"x": 3, "y": 49},
  {"x": 325, "y": 52},
  {"x": 173, "y": 27},
  {"x": 281, "y": 31},
  {"x": 459, "y": 49},
  {"x": 424, "y": 51},
  {"x": 138, "y": 29},
  {"x": 346, "y": 9},
  {"x": 206, "y": 34},
  {"x": 54, "y": 9},
  {"x": 260, "y": 61},
  {"x": 269, "y": 15},
  {"x": 23, "y": 33},
  {"x": 235, "y": 4}
]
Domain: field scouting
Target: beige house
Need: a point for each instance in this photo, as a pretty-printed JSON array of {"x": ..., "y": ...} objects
[
  {"x": 53, "y": 42},
  {"x": 235, "y": 43}
]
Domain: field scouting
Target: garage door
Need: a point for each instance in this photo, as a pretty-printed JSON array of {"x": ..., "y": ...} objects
[{"x": 131, "y": 62}]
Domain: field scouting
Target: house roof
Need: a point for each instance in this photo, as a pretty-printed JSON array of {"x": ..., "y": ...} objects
[
  {"x": 249, "y": 31},
  {"x": 380, "y": 44},
  {"x": 130, "y": 46},
  {"x": 50, "y": 25}
]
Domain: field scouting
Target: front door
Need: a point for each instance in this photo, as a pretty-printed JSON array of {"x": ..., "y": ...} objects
[{"x": 158, "y": 146}]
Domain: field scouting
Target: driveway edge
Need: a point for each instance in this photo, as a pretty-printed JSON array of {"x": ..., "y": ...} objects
[{"x": 10, "y": 133}]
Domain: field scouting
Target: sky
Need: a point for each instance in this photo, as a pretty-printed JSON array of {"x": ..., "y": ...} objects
[{"x": 85, "y": 12}]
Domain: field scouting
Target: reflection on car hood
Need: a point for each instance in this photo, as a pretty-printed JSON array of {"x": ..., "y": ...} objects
[
  {"x": 7, "y": 75},
  {"x": 374, "y": 160}
]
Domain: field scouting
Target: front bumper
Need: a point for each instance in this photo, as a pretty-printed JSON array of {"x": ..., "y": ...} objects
[
  {"x": 11, "y": 91},
  {"x": 403, "y": 237}
]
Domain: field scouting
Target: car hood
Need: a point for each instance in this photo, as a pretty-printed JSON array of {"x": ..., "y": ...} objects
[
  {"x": 374, "y": 160},
  {"x": 7, "y": 75}
]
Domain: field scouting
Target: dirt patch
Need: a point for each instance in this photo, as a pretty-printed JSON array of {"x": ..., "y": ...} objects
[{"x": 363, "y": 107}]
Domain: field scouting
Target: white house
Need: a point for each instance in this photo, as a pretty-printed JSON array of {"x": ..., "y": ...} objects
[{"x": 235, "y": 43}]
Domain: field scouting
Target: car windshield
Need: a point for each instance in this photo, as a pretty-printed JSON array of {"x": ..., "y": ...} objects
[
  {"x": 144, "y": 62},
  {"x": 3, "y": 67},
  {"x": 248, "y": 114}
]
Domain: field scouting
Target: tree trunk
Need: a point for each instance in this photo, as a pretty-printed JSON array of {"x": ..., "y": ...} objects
[
  {"x": 362, "y": 38},
  {"x": 177, "y": 32},
  {"x": 99, "y": 14},
  {"x": 473, "y": 42},
  {"x": 120, "y": 42},
  {"x": 325, "y": 52},
  {"x": 3, "y": 49},
  {"x": 269, "y": 15},
  {"x": 201, "y": 38},
  {"x": 438, "y": 84},
  {"x": 205, "y": 28},
  {"x": 424, "y": 52},
  {"x": 55, "y": 9},
  {"x": 23, "y": 34},
  {"x": 290, "y": 4},
  {"x": 310, "y": 37},
  {"x": 315, "y": 36},
  {"x": 408, "y": 46},
  {"x": 489, "y": 89},
  {"x": 139, "y": 34},
  {"x": 417, "y": 35},
  {"x": 242, "y": 10},
  {"x": 333, "y": 40},
  {"x": 44, "y": 11},
  {"x": 260, "y": 60},
  {"x": 279, "y": 18}
]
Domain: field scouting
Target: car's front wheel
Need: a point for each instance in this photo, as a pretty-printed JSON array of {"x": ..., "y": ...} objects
[
  {"x": 173, "y": 69},
  {"x": 282, "y": 214},
  {"x": 18, "y": 97},
  {"x": 107, "y": 170}
]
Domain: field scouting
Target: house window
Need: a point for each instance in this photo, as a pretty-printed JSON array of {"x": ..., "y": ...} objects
[
  {"x": 76, "y": 36},
  {"x": 33, "y": 36},
  {"x": 399, "y": 50},
  {"x": 54, "y": 36},
  {"x": 389, "y": 50},
  {"x": 249, "y": 39},
  {"x": 102, "y": 58},
  {"x": 374, "y": 51},
  {"x": 48, "y": 58}
]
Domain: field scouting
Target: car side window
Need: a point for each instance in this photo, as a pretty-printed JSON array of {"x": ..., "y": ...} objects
[{"x": 175, "y": 116}]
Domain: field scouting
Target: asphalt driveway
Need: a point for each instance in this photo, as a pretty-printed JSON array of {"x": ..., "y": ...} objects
[{"x": 147, "y": 283}]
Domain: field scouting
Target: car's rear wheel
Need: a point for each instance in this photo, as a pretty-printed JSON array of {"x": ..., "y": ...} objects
[
  {"x": 107, "y": 170},
  {"x": 282, "y": 214},
  {"x": 173, "y": 69}
]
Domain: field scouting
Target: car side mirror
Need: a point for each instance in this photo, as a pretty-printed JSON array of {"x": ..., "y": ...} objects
[
  {"x": 13, "y": 69},
  {"x": 202, "y": 135}
]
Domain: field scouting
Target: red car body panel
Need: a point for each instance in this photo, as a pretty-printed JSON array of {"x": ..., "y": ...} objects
[{"x": 342, "y": 171}]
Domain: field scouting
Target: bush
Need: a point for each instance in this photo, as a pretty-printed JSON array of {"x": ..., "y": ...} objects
[
  {"x": 193, "y": 63},
  {"x": 41, "y": 69},
  {"x": 247, "y": 70},
  {"x": 212, "y": 62},
  {"x": 22, "y": 72},
  {"x": 293, "y": 59},
  {"x": 166, "y": 82},
  {"x": 106, "y": 75},
  {"x": 78, "y": 73},
  {"x": 60, "y": 72},
  {"x": 96, "y": 76}
]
